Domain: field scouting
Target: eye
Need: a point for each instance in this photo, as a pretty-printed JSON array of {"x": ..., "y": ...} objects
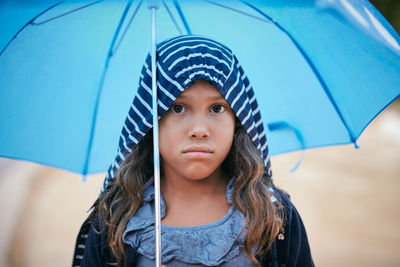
[
  {"x": 177, "y": 108},
  {"x": 218, "y": 108}
]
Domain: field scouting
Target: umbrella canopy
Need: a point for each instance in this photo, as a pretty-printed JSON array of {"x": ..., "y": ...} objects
[{"x": 321, "y": 70}]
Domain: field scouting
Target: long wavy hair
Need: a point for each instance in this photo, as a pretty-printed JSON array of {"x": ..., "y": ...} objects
[{"x": 124, "y": 194}]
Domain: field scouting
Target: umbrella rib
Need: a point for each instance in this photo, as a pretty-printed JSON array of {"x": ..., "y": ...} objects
[
  {"x": 64, "y": 14},
  {"x": 238, "y": 11},
  {"x": 96, "y": 108},
  {"x": 182, "y": 16},
  {"x": 279, "y": 125},
  {"x": 26, "y": 25},
  {"x": 172, "y": 17},
  {"x": 353, "y": 139},
  {"x": 126, "y": 28}
]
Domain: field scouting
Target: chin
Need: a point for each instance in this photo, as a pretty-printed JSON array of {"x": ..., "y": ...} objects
[
  {"x": 198, "y": 175},
  {"x": 198, "y": 172}
]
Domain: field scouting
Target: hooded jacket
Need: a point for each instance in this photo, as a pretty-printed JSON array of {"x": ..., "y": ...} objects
[{"x": 180, "y": 61}]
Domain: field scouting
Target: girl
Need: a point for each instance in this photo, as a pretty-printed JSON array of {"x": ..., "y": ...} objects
[{"x": 219, "y": 206}]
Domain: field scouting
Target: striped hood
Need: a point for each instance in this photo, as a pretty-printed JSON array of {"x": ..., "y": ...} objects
[{"x": 180, "y": 61}]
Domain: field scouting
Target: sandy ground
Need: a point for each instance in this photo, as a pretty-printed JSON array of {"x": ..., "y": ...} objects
[{"x": 348, "y": 199}]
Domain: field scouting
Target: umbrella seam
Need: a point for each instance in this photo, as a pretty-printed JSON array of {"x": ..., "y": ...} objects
[
  {"x": 64, "y": 14},
  {"x": 182, "y": 16},
  {"x": 238, "y": 11},
  {"x": 126, "y": 29},
  {"x": 26, "y": 25},
  {"x": 313, "y": 68},
  {"x": 109, "y": 55},
  {"x": 172, "y": 17}
]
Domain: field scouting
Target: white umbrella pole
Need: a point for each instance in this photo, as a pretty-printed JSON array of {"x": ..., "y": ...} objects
[{"x": 153, "y": 5}]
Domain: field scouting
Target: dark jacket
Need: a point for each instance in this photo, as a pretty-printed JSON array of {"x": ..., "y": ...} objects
[{"x": 290, "y": 249}]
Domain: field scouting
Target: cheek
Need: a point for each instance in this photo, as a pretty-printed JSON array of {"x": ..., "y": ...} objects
[
  {"x": 165, "y": 137},
  {"x": 170, "y": 137},
  {"x": 224, "y": 132}
]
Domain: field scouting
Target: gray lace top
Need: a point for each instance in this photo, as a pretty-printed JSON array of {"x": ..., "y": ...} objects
[{"x": 214, "y": 244}]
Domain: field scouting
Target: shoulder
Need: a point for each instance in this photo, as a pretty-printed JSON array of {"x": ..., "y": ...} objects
[
  {"x": 291, "y": 246},
  {"x": 92, "y": 248},
  {"x": 93, "y": 244}
]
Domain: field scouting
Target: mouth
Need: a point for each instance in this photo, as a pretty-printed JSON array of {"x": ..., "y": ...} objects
[{"x": 197, "y": 152}]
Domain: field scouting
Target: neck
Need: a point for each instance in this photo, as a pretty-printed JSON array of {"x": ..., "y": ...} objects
[
  {"x": 175, "y": 187},
  {"x": 194, "y": 202}
]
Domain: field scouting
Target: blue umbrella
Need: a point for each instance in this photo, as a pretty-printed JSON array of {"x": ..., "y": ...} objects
[{"x": 322, "y": 70}]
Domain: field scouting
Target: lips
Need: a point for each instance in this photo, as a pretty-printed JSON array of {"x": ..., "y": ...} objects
[
  {"x": 197, "y": 152},
  {"x": 197, "y": 148}
]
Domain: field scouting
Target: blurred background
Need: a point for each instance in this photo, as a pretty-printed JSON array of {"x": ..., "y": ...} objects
[{"x": 348, "y": 198}]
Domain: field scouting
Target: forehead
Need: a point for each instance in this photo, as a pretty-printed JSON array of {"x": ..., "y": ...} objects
[{"x": 201, "y": 89}]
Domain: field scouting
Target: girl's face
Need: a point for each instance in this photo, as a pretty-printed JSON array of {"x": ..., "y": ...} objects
[{"x": 196, "y": 133}]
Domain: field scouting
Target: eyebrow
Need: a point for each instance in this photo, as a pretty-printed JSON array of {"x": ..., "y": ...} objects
[{"x": 217, "y": 97}]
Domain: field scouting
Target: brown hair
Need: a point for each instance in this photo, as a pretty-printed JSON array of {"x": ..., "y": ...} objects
[
  {"x": 250, "y": 194},
  {"x": 124, "y": 194}
]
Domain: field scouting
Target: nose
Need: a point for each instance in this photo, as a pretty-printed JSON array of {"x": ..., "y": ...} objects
[{"x": 199, "y": 131}]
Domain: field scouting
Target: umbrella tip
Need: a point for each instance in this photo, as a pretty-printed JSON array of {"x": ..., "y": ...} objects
[
  {"x": 84, "y": 178},
  {"x": 296, "y": 166},
  {"x": 356, "y": 145}
]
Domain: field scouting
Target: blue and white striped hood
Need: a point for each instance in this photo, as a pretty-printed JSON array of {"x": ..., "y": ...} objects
[{"x": 180, "y": 61}]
